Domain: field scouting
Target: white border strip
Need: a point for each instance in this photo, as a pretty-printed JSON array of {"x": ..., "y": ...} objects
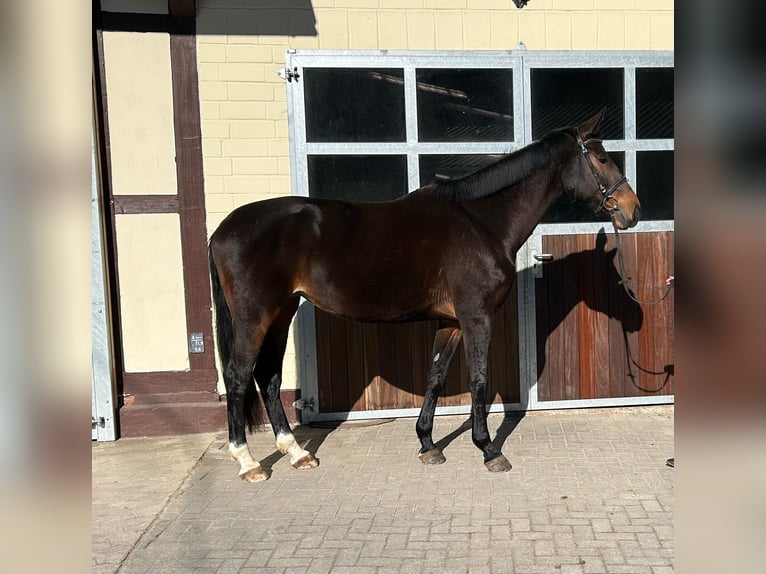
[{"x": 497, "y": 408}]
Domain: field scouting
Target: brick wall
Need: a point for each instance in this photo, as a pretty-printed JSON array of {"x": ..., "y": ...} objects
[{"x": 243, "y": 101}]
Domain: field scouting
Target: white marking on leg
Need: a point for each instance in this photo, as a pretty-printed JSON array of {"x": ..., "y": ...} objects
[
  {"x": 242, "y": 455},
  {"x": 287, "y": 444}
]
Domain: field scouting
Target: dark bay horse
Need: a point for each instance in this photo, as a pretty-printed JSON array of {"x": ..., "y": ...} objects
[{"x": 446, "y": 251}]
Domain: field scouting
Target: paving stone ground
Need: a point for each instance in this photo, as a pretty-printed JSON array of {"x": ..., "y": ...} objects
[{"x": 589, "y": 492}]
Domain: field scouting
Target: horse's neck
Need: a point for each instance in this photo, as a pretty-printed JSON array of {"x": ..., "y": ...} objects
[{"x": 512, "y": 214}]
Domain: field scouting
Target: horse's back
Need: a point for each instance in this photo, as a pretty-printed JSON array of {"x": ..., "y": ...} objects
[
  {"x": 254, "y": 219},
  {"x": 329, "y": 223},
  {"x": 375, "y": 261}
]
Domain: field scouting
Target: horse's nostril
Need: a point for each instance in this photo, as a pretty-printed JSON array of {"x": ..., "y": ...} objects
[{"x": 636, "y": 213}]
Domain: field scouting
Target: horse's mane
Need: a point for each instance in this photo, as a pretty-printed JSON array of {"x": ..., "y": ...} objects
[{"x": 505, "y": 172}]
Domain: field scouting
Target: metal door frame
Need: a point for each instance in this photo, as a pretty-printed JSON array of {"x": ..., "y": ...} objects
[
  {"x": 409, "y": 61},
  {"x": 627, "y": 61},
  {"x": 528, "y": 340},
  {"x": 103, "y": 403},
  {"x": 521, "y": 61}
]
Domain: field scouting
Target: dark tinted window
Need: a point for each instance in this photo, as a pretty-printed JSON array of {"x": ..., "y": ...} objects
[
  {"x": 358, "y": 177},
  {"x": 566, "y": 97},
  {"x": 441, "y": 167},
  {"x": 654, "y": 171},
  {"x": 654, "y": 103},
  {"x": 565, "y": 211},
  {"x": 354, "y": 105},
  {"x": 465, "y": 105}
]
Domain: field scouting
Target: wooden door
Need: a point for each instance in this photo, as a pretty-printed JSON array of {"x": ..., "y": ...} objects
[
  {"x": 593, "y": 341},
  {"x": 378, "y": 366}
]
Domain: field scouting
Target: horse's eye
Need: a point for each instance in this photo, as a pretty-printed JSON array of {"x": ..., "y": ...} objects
[{"x": 602, "y": 158}]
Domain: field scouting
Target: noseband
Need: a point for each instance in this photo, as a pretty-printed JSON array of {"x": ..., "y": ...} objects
[{"x": 606, "y": 193}]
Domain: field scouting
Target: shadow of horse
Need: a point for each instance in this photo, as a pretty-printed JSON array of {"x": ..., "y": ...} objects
[
  {"x": 603, "y": 294},
  {"x": 589, "y": 278}
]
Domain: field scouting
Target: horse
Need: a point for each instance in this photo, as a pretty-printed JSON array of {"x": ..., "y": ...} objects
[{"x": 445, "y": 251}]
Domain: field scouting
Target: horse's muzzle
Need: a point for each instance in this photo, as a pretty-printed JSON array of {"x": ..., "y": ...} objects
[{"x": 622, "y": 221}]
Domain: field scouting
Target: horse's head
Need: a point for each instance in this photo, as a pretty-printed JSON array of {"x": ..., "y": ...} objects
[{"x": 596, "y": 180}]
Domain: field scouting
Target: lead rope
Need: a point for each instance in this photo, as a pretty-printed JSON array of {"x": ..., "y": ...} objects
[
  {"x": 625, "y": 280},
  {"x": 668, "y": 370},
  {"x": 670, "y": 282}
]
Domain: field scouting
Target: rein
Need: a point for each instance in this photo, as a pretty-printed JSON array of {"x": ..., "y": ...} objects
[{"x": 624, "y": 280}]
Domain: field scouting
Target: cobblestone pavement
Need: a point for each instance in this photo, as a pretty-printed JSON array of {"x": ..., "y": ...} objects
[{"x": 589, "y": 492}]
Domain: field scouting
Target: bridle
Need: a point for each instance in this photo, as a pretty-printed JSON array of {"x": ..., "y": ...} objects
[{"x": 606, "y": 192}]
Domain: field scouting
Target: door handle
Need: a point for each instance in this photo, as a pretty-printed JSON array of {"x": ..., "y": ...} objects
[{"x": 540, "y": 258}]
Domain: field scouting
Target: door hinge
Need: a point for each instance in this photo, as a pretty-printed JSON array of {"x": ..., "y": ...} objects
[
  {"x": 288, "y": 74},
  {"x": 303, "y": 404}
]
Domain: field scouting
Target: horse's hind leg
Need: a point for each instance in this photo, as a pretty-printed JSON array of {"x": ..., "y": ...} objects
[
  {"x": 268, "y": 375},
  {"x": 240, "y": 397},
  {"x": 445, "y": 343}
]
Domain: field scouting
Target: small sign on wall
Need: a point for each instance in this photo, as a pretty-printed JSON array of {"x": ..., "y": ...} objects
[{"x": 196, "y": 343}]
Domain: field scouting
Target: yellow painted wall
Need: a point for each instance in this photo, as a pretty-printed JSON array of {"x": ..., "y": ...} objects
[
  {"x": 152, "y": 304},
  {"x": 243, "y": 101},
  {"x": 138, "y": 85},
  {"x": 142, "y": 143}
]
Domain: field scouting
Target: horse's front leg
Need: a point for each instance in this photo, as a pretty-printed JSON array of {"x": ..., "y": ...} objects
[
  {"x": 477, "y": 338},
  {"x": 445, "y": 343}
]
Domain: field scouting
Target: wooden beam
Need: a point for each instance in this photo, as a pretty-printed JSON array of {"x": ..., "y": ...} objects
[
  {"x": 182, "y": 9},
  {"x": 191, "y": 189},
  {"x": 145, "y": 204},
  {"x": 130, "y": 22}
]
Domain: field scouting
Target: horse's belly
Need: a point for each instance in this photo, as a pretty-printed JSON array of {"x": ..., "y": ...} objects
[
  {"x": 362, "y": 300},
  {"x": 368, "y": 309}
]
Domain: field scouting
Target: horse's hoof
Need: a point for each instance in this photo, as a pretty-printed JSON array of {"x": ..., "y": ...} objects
[
  {"x": 256, "y": 474},
  {"x": 433, "y": 456},
  {"x": 499, "y": 464},
  {"x": 306, "y": 462}
]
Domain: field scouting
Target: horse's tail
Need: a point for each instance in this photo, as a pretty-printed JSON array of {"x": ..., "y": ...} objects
[{"x": 225, "y": 335}]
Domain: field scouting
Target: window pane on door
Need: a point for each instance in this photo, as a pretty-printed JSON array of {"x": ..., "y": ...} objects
[
  {"x": 565, "y": 211},
  {"x": 354, "y": 105},
  {"x": 358, "y": 177},
  {"x": 465, "y": 105},
  {"x": 654, "y": 103},
  {"x": 563, "y": 97},
  {"x": 443, "y": 167},
  {"x": 654, "y": 171}
]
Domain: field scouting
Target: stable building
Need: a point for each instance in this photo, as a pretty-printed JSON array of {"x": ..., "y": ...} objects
[{"x": 203, "y": 106}]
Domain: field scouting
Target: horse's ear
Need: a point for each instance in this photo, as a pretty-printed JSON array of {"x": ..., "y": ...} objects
[
  {"x": 601, "y": 240},
  {"x": 589, "y": 128},
  {"x": 601, "y": 245}
]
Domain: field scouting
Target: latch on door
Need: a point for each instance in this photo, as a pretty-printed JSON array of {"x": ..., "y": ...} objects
[
  {"x": 303, "y": 404},
  {"x": 537, "y": 266}
]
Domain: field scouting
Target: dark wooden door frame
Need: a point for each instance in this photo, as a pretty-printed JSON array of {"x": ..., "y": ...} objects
[{"x": 198, "y": 384}]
